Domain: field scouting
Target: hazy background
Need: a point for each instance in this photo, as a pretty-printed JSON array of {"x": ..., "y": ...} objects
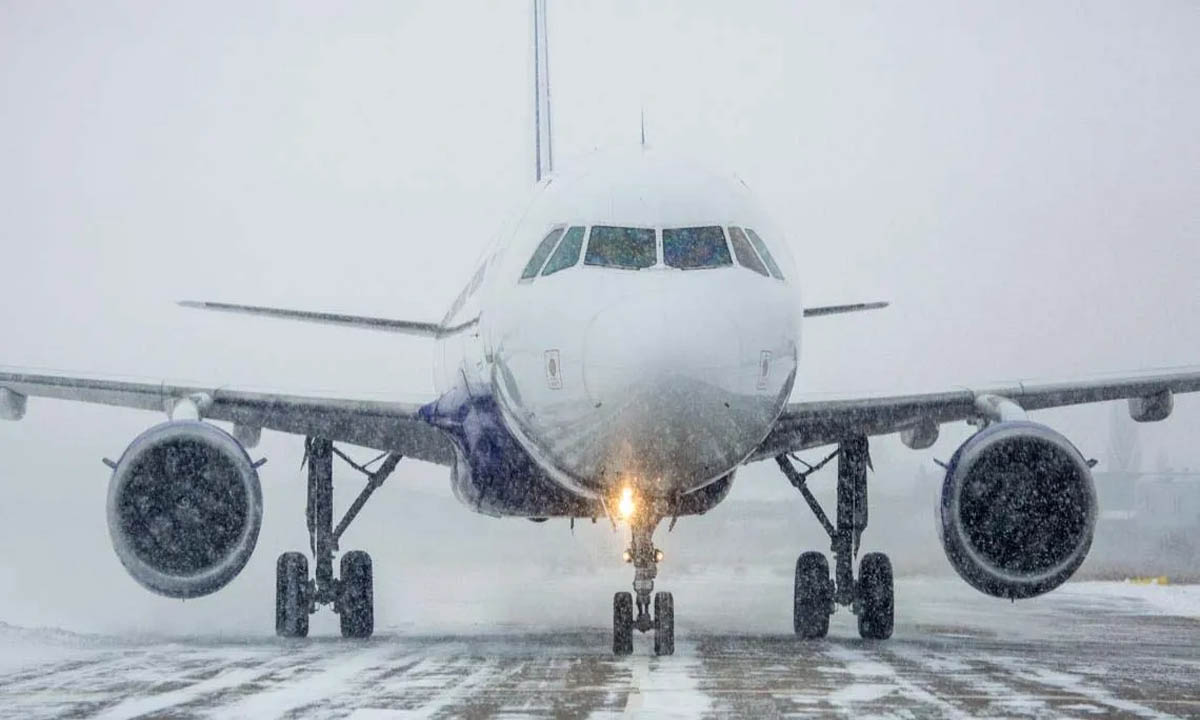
[{"x": 1020, "y": 179}]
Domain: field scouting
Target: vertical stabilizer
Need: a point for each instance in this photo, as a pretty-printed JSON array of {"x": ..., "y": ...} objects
[{"x": 543, "y": 139}]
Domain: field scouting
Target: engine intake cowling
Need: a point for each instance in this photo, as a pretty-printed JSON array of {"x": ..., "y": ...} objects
[
  {"x": 184, "y": 508},
  {"x": 1018, "y": 508}
]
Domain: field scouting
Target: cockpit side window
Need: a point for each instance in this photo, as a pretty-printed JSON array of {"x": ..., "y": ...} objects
[
  {"x": 621, "y": 247},
  {"x": 542, "y": 252},
  {"x": 745, "y": 254},
  {"x": 761, "y": 247},
  {"x": 695, "y": 247},
  {"x": 567, "y": 253}
]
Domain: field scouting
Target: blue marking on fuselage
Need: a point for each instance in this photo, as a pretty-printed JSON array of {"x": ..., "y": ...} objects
[{"x": 495, "y": 475}]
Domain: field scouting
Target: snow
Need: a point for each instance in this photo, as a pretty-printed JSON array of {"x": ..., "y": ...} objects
[
  {"x": 666, "y": 687},
  {"x": 857, "y": 664},
  {"x": 1176, "y": 600},
  {"x": 139, "y": 706},
  {"x": 327, "y": 679},
  {"x": 1077, "y": 685},
  {"x": 860, "y": 692},
  {"x": 23, "y": 648},
  {"x": 1089, "y": 648}
]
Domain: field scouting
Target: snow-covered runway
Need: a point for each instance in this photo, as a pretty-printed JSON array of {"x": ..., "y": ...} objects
[{"x": 1091, "y": 649}]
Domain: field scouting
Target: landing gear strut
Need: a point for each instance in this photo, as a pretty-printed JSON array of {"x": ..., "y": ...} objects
[
  {"x": 645, "y": 558},
  {"x": 351, "y": 595},
  {"x": 817, "y": 595}
]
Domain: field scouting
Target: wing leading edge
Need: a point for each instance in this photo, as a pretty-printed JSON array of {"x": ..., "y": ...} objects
[
  {"x": 406, "y": 327},
  {"x": 840, "y": 309},
  {"x": 380, "y": 424},
  {"x": 811, "y": 423}
]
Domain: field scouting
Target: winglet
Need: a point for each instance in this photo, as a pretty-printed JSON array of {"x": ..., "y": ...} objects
[{"x": 838, "y": 309}]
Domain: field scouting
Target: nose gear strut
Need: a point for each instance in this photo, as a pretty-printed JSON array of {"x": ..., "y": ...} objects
[
  {"x": 645, "y": 558},
  {"x": 645, "y": 568}
]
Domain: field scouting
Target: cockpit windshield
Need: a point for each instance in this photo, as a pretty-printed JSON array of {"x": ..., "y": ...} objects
[
  {"x": 567, "y": 253},
  {"x": 633, "y": 248},
  {"x": 542, "y": 252},
  {"x": 695, "y": 247},
  {"x": 746, "y": 256},
  {"x": 765, "y": 254},
  {"x": 621, "y": 247}
]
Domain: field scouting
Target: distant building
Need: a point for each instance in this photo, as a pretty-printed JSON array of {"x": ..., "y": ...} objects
[{"x": 1149, "y": 524}]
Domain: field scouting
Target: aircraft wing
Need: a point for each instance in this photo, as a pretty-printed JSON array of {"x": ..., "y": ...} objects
[
  {"x": 807, "y": 423},
  {"x": 380, "y": 424}
]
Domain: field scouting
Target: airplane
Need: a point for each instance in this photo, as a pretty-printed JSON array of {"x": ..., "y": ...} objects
[{"x": 619, "y": 353}]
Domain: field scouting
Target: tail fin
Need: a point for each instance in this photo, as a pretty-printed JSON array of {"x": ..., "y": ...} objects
[{"x": 543, "y": 138}]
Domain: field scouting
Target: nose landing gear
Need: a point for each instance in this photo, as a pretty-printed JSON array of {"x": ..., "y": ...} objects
[
  {"x": 817, "y": 595},
  {"x": 645, "y": 558}
]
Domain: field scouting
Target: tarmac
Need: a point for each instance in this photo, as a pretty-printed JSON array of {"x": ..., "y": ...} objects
[{"x": 1088, "y": 650}]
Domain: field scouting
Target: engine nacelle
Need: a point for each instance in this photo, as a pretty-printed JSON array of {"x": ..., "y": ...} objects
[
  {"x": 184, "y": 508},
  {"x": 1018, "y": 509}
]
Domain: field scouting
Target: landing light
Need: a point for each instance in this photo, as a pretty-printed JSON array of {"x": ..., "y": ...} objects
[{"x": 626, "y": 505}]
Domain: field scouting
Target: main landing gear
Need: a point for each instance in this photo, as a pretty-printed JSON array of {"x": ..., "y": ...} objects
[
  {"x": 645, "y": 558},
  {"x": 817, "y": 594},
  {"x": 352, "y": 594}
]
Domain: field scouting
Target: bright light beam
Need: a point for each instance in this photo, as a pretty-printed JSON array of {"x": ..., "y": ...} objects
[{"x": 626, "y": 506}]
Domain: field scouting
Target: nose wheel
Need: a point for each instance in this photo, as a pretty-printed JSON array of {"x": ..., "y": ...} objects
[
  {"x": 664, "y": 623},
  {"x": 622, "y": 623},
  {"x": 645, "y": 558}
]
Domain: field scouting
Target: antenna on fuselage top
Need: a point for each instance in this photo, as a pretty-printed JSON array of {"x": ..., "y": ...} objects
[
  {"x": 543, "y": 138},
  {"x": 642, "y": 119}
]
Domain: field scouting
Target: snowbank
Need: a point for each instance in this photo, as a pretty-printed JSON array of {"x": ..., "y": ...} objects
[{"x": 1177, "y": 600}]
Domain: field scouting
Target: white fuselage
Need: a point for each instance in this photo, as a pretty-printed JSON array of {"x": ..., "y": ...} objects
[{"x": 659, "y": 377}]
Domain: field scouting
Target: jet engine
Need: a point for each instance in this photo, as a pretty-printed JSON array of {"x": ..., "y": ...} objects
[
  {"x": 1017, "y": 510},
  {"x": 184, "y": 508}
]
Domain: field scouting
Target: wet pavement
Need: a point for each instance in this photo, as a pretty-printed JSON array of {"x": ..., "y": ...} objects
[{"x": 1093, "y": 650}]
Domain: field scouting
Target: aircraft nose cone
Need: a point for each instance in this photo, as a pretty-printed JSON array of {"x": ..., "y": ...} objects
[
  {"x": 668, "y": 389},
  {"x": 655, "y": 343}
]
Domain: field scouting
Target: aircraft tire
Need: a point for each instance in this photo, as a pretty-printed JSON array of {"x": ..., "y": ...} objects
[
  {"x": 622, "y": 623},
  {"x": 664, "y": 623},
  {"x": 291, "y": 595},
  {"x": 813, "y": 596},
  {"x": 876, "y": 597},
  {"x": 356, "y": 601}
]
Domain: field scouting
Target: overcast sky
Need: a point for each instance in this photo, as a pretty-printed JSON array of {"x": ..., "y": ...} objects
[{"x": 1021, "y": 180}]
